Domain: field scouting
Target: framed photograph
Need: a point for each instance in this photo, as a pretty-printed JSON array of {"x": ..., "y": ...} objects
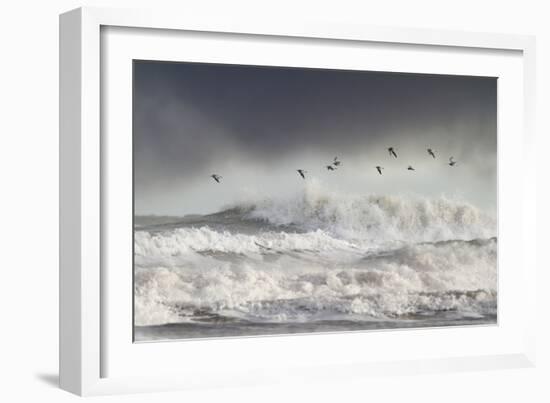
[{"x": 237, "y": 196}]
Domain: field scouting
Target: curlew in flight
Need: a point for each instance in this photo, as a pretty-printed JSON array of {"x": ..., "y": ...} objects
[{"x": 216, "y": 177}]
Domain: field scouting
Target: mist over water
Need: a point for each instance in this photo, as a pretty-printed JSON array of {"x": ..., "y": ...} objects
[{"x": 256, "y": 125}]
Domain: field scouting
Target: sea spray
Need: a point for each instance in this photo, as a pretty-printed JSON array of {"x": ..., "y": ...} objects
[{"x": 319, "y": 256}]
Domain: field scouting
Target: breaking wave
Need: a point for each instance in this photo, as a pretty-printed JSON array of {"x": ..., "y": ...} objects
[
  {"x": 282, "y": 283},
  {"x": 319, "y": 256},
  {"x": 377, "y": 218}
]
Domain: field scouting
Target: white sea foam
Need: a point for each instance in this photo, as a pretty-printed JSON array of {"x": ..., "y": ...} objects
[
  {"x": 377, "y": 218},
  {"x": 319, "y": 255},
  {"x": 301, "y": 285},
  {"x": 169, "y": 246}
]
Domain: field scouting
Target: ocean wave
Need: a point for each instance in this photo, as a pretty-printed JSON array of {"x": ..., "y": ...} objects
[
  {"x": 375, "y": 218},
  {"x": 318, "y": 255},
  {"x": 183, "y": 243},
  {"x": 175, "y": 285}
]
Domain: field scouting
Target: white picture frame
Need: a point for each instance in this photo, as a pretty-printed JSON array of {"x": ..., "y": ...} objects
[{"x": 91, "y": 351}]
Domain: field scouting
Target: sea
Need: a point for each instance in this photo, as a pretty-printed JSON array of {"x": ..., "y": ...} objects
[{"x": 317, "y": 261}]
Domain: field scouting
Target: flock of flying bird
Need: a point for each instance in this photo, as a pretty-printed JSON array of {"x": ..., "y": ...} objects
[{"x": 336, "y": 163}]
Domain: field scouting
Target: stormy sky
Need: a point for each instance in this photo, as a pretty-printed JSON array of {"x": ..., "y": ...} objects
[{"x": 256, "y": 125}]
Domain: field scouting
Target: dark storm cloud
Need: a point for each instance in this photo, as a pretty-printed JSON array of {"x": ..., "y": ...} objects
[{"x": 190, "y": 118}]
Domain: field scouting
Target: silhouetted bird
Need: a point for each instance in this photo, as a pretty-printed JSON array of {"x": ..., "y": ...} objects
[
  {"x": 430, "y": 151},
  {"x": 379, "y": 169},
  {"x": 392, "y": 152},
  {"x": 336, "y": 162},
  {"x": 452, "y": 162},
  {"x": 302, "y": 173},
  {"x": 410, "y": 168},
  {"x": 331, "y": 168},
  {"x": 216, "y": 177}
]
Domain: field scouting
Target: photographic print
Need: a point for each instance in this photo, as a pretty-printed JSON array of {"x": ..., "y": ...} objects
[{"x": 276, "y": 200}]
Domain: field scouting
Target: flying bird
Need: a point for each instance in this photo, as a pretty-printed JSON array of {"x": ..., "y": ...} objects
[
  {"x": 379, "y": 169},
  {"x": 392, "y": 152},
  {"x": 430, "y": 151},
  {"x": 216, "y": 177},
  {"x": 336, "y": 162},
  {"x": 302, "y": 173},
  {"x": 331, "y": 168},
  {"x": 410, "y": 168},
  {"x": 452, "y": 162}
]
